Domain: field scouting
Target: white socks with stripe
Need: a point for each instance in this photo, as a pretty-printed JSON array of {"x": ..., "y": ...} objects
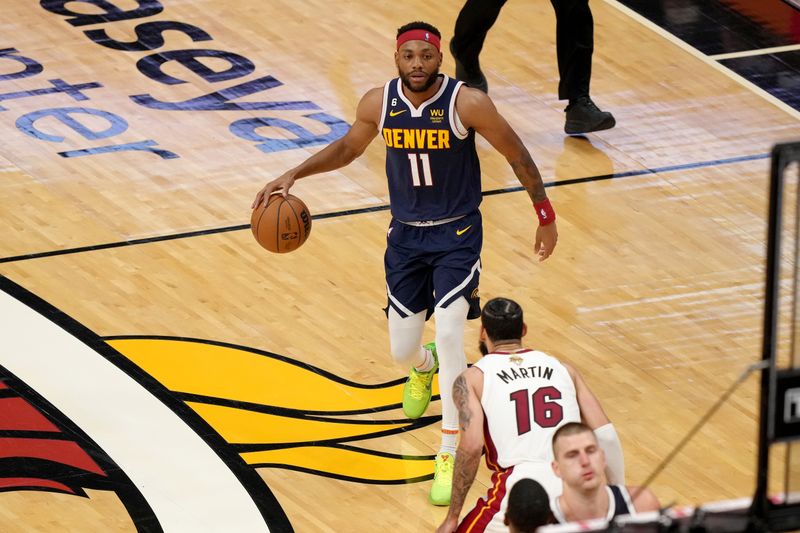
[
  {"x": 449, "y": 441},
  {"x": 450, "y": 323},
  {"x": 405, "y": 339},
  {"x": 427, "y": 361}
]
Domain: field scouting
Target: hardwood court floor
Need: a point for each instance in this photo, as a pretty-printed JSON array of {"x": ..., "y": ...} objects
[{"x": 279, "y": 365}]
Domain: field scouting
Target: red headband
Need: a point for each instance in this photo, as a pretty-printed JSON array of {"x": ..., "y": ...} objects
[{"x": 418, "y": 35}]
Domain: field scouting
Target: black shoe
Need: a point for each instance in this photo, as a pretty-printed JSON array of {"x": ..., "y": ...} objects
[
  {"x": 472, "y": 76},
  {"x": 583, "y": 116}
]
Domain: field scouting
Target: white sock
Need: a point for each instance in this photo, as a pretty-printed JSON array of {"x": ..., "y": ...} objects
[
  {"x": 608, "y": 440},
  {"x": 427, "y": 361},
  {"x": 450, "y": 323},
  {"x": 449, "y": 441}
]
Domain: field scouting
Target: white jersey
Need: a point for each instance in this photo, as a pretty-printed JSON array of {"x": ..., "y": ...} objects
[{"x": 527, "y": 396}]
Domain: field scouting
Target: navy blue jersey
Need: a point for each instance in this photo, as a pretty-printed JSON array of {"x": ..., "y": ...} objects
[
  {"x": 619, "y": 503},
  {"x": 431, "y": 161},
  {"x": 622, "y": 500}
]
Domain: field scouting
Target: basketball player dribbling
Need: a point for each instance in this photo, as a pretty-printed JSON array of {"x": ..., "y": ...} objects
[
  {"x": 511, "y": 402},
  {"x": 432, "y": 262}
]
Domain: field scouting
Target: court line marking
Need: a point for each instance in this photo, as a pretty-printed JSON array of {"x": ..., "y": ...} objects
[
  {"x": 756, "y": 52},
  {"x": 703, "y": 57},
  {"x": 385, "y": 207}
]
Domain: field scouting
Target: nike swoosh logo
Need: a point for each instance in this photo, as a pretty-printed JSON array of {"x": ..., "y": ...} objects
[
  {"x": 395, "y": 113},
  {"x": 463, "y": 231}
]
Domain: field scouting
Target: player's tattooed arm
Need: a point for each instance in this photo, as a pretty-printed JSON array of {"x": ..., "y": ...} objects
[
  {"x": 463, "y": 476},
  {"x": 529, "y": 176},
  {"x": 477, "y": 111},
  {"x": 470, "y": 416},
  {"x": 461, "y": 399}
]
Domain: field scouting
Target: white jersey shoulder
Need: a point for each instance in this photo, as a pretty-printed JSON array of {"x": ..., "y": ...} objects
[{"x": 527, "y": 396}]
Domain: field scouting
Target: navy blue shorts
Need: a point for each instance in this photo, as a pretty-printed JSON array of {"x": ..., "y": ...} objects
[{"x": 432, "y": 266}]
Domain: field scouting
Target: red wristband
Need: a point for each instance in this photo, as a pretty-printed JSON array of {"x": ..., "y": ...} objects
[{"x": 545, "y": 212}]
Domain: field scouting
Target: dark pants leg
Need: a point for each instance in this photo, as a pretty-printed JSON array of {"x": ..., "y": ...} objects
[
  {"x": 574, "y": 47},
  {"x": 472, "y": 25}
]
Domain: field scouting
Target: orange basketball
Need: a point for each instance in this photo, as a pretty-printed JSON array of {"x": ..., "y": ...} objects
[{"x": 283, "y": 225}]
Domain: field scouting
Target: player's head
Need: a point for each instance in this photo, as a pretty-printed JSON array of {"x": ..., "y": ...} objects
[
  {"x": 578, "y": 459},
  {"x": 501, "y": 321},
  {"x": 418, "y": 56},
  {"x": 528, "y": 507}
]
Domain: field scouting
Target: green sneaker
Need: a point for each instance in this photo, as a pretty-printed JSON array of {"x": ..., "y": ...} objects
[
  {"x": 417, "y": 390},
  {"x": 442, "y": 479}
]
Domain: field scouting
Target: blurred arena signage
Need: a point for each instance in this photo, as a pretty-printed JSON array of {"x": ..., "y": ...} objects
[{"x": 787, "y": 405}]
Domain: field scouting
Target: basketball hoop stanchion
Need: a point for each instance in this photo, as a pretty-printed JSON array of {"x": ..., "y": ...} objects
[{"x": 763, "y": 515}]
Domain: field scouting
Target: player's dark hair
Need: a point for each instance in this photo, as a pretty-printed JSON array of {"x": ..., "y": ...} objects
[
  {"x": 418, "y": 25},
  {"x": 502, "y": 319},
  {"x": 528, "y": 506},
  {"x": 570, "y": 428}
]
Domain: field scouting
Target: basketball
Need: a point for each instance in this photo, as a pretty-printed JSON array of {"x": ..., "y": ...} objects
[{"x": 283, "y": 225}]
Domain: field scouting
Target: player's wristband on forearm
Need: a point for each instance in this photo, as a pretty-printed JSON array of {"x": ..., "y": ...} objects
[{"x": 545, "y": 212}]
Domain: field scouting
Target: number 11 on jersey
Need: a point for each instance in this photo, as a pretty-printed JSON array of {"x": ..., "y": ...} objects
[{"x": 426, "y": 169}]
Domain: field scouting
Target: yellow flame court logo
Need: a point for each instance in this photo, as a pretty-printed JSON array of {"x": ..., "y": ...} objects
[
  {"x": 134, "y": 419},
  {"x": 278, "y": 412}
]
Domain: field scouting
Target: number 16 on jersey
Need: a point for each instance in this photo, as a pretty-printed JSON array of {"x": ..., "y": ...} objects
[{"x": 547, "y": 413}]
